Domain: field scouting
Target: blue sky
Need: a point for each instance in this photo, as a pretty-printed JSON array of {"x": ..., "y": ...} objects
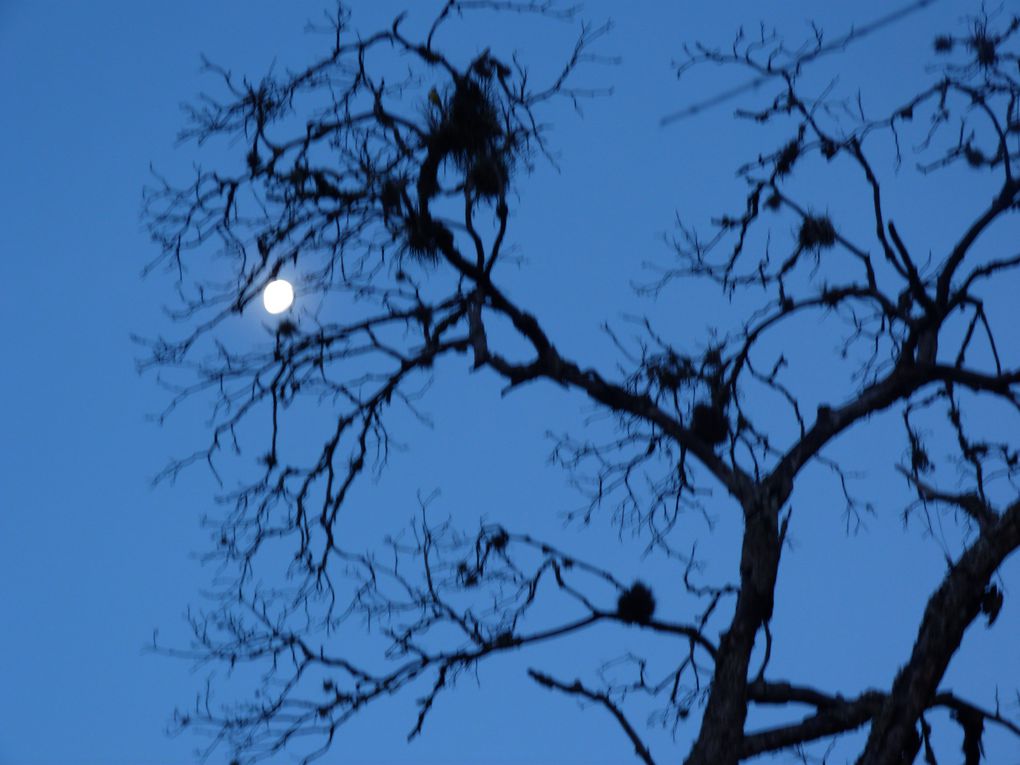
[{"x": 93, "y": 558}]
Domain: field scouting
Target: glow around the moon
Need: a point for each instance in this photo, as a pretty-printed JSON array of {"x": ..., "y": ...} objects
[{"x": 278, "y": 296}]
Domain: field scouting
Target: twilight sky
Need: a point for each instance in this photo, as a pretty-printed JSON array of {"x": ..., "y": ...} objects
[{"x": 93, "y": 558}]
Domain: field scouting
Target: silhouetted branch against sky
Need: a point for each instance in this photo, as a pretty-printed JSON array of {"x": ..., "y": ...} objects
[
  {"x": 793, "y": 60},
  {"x": 388, "y": 178}
]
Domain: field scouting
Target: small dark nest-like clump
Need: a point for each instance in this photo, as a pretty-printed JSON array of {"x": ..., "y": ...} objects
[
  {"x": 636, "y": 605},
  {"x": 816, "y": 233},
  {"x": 984, "y": 47},
  {"x": 787, "y": 157},
  {"x": 390, "y": 196},
  {"x": 488, "y": 176},
  {"x": 468, "y": 125},
  {"x": 423, "y": 238},
  {"x": 499, "y": 540},
  {"x": 991, "y": 603},
  {"x": 286, "y": 328},
  {"x": 974, "y": 157},
  {"x": 920, "y": 462},
  {"x": 943, "y": 44},
  {"x": 710, "y": 423},
  {"x": 670, "y": 372},
  {"x": 829, "y": 148}
]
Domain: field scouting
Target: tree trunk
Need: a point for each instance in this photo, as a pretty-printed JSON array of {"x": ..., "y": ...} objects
[{"x": 722, "y": 728}]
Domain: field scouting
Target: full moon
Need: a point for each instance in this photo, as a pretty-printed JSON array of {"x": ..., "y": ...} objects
[{"x": 278, "y": 296}]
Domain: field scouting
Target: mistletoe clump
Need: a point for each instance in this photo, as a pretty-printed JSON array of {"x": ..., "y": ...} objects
[
  {"x": 816, "y": 233},
  {"x": 787, "y": 157},
  {"x": 424, "y": 238},
  {"x": 636, "y": 605},
  {"x": 467, "y": 128}
]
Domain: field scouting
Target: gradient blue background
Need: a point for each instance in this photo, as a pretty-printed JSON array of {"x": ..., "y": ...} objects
[{"x": 92, "y": 558}]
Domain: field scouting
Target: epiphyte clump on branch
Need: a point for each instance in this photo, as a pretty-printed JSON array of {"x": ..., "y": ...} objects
[
  {"x": 816, "y": 233},
  {"x": 709, "y": 423},
  {"x": 467, "y": 124},
  {"x": 488, "y": 175},
  {"x": 424, "y": 237},
  {"x": 787, "y": 157},
  {"x": 466, "y": 127},
  {"x": 391, "y": 196},
  {"x": 991, "y": 603},
  {"x": 636, "y": 604}
]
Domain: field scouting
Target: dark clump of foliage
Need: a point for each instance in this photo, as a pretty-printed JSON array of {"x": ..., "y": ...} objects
[
  {"x": 984, "y": 48},
  {"x": 467, "y": 575},
  {"x": 636, "y": 604},
  {"x": 671, "y": 372},
  {"x": 488, "y": 175},
  {"x": 424, "y": 237},
  {"x": 973, "y": 156},
  {"x": 920, "y": 462},
  {"x": 286, "y": 328},
  {"x": 390, "y": 197},
  {"x": 816, "y": 232},
  {"x": 709, "y": 423},
  {"x": 467, "y": 126},
  {"x": 991, "y": 604},
  {"x": 943, "y": 44},
  {"x": 499, "y": 540},
  {"x": 788, "y": 155},
  {"x": 487, "y": 67}
]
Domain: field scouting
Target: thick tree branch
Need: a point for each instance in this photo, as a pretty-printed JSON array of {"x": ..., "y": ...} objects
[{"x": 949, "y": 612}]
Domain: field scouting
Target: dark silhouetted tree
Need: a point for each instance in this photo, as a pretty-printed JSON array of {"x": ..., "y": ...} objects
[{"x": 387, "y": 170}]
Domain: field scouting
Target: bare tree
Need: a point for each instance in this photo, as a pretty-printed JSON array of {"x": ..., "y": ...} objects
[{"x": 385, "y": 170}]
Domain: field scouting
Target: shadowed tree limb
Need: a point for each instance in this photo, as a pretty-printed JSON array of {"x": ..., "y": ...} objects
[{"x": 949, "y": 612}]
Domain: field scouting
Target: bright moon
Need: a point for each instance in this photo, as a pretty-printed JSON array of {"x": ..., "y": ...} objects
[{"x": 278, "y": 296}]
